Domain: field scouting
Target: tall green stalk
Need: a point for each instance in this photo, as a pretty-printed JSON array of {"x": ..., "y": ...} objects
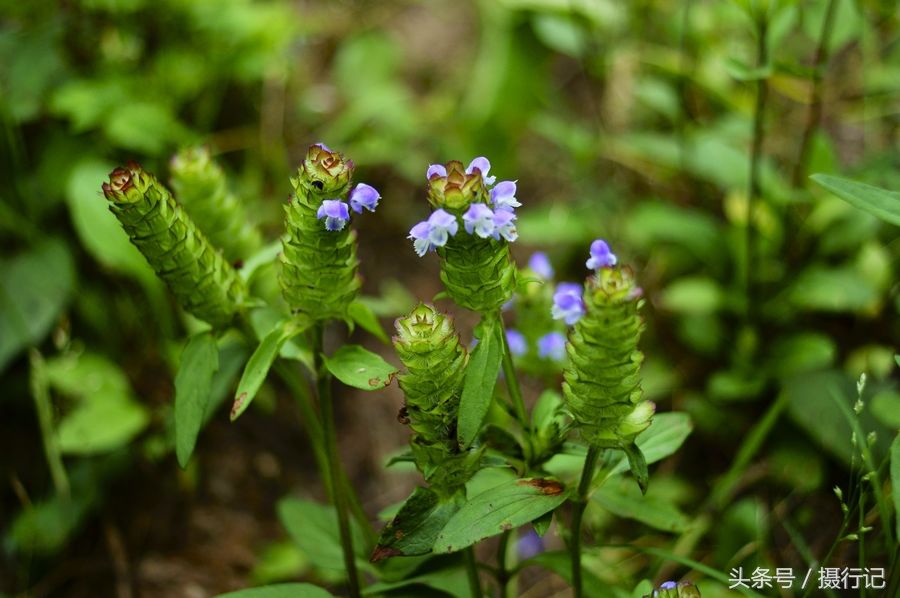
[
  {"x": 326, "y": 406},
  {"x": 584, "y": 488},
  {"x": 472, "y": 572}
]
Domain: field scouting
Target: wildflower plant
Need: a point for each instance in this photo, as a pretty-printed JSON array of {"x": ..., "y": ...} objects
[{"x": 487, "y": 461}]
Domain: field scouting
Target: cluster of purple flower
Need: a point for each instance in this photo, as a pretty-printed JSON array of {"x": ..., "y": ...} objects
[
  {"x": 479, "y": 219},
  {"x": 551, "y": 345},
  {"x": 568, "y": 304},
  {"x": 336, "y": 213}
]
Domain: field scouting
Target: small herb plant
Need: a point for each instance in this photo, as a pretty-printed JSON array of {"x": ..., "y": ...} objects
[{"x": 489, "y": 464}]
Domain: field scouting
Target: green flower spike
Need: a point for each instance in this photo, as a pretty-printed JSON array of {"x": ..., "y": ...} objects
[
  {"x": 319, "y": 264},
  {"x": 602, "y": 386},
  {"x": 478, "y": 272},
  {"x": 204, "y": 283},
  {"x": 201, "y": 188},
  {"x": 429, "y": 347}
]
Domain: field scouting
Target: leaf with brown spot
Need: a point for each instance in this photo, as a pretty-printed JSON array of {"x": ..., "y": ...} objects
[
  {"x": 550, "y": 487},
  {"x": 416, "y": 525},
  {"x": 360, "y": 368}
]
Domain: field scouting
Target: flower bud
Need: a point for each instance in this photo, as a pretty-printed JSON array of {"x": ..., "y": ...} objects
[
  {"x": 428, "y": 345},
  {"x": 204, "y": 283},
  {"x": 319, "y": 264},
  {"x": 202, "y": 189},
  {"x": 602, "y": 384},
  {"x": 671, "y": 589}
]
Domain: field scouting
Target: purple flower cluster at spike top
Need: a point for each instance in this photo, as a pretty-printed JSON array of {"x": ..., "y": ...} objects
[
  {"x": 494, "y": 221},
  {"x": 568, "y": 304},
  {"x": 336, "y": 213}
]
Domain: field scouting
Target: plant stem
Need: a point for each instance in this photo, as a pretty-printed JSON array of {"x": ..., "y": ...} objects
[
  {"x": 41, "y": 394},
  {"x": 472, "y": 570},
  {"x": 323, "y": 387},
  {"x": 512, "y": 382},
  {"x": 753, "y": 190},
  {"x": 814, "y": 116},
  {"x": 584, "y": 488},
  {"x": 503, "y": 572}
]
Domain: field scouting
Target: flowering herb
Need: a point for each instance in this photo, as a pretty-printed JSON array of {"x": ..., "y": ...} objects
[
  {"x": 568, "y": 304},
  {"x": 601, "y": 256}
]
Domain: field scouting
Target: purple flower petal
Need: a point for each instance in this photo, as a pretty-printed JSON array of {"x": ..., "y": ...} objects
[
  {"x": 529, "y": 545},
  {"x": 567, "y": 303},
  {"x": 505, "y": 225},
  {"x": 552, "y": 346},
  {"x": 503, "y": 196},
  {"x": 601, "y": 256},
  {"x": 540, "y": 264},
  {"x": 479, "y": 220},
  {"x": 364, "y": 196},
  {"x": 435, "y": 169},
  {"x": 419, "y": 235},
  {"x": 484, "y": 167},
  {"x": 516, "y": 340},
  {"x": 442, "y": 225},
  {"x": 335, "y": 213},
  {"x": 323, "y": 146}
]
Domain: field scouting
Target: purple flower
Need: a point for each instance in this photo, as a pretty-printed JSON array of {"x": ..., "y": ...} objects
[
  {"x": 529, "y": 545},
  {"x": 484, "y": 167},
  {"x": 335, "y": 213},
  {"x": 567, "y": 303},
  {"x": 601, "y": 256},
  {"x": 323, "y": 146},
  {"x": 552, "y": 346},
  {"x": 516, "y": 341},
  {"x": 540, "y": 264},
  {"x": 503, "y": 196},
  {"x": 505, "y": 226},
  {"x": 668, "y": 585},
  {"x": 479, "y": 219},
  {"x": 435, "y": 169},
  {"x": 434, "y": 232},
  {"x": 364, "y": 196}
]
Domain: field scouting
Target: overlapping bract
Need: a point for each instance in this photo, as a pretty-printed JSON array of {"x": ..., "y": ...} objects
[
  {"x": 429, "y": 347},
  {"x": 479, "y": 273},
  {"x": 202, "y": 189},
  {"x": 204, "y": 283},
  {"x": 602, "y": 386},
  {"x": 319, "y": 266}
]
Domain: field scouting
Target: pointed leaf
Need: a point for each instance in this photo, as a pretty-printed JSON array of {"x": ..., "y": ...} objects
[
  {"x": 502, "y": 508},
  {"x": 314, "y": 528},
  {"x": 365, "y": 317},
  {"x": 193, "y": 388},
  {"x": 664, "y": 436},
  {"x": 262, "y": 359},
  {"x": 877, "y": 201},
  {"x": 416, "y": 525},
  {"x": 481, "y": 377},
  {"x": 360, "y": 368},
  {"x": 638, "y": 465},
  {"x": 624, "y": 500}
]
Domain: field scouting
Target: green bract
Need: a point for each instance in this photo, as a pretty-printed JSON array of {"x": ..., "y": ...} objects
[
  {"x": 428, "y": 345},
  {"x": 602, "y": 384},
  {"x": 479, "y": 274},
  {"x": 319, "y": 267},
  {"x": 202, "y": 190},
  {"x": 204, "y": 283}
]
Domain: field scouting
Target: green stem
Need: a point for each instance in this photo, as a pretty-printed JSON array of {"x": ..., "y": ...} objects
[
  {"x": 313, "y": 424},
  {"x": 503, "y": 572},
  {"x": 515, "y": 394},
  {"x": 584, "y": 488},
  {"x": 814, "y": 116},
  {"x": 326, "y": 406},
  {"x": 472, "y": 570},
  {"x": 41, "y": 393},
  {"x": 753, "y": 191}
]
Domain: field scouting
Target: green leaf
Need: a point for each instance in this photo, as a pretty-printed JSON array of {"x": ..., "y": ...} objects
[
  {"x": 34, "y": 289},
  {"x": 501, "y": 508},
  {"x": 623, "y": 500},
  {"x": 694, "y": 295},
  {"x": 879, "y": 202},
  {"x": 360, "y": 368},
  {"x": 262, "y": 359},
  {"x": 363, "y": 315},
  {"x": 664, "y": 436},
  {"x": 416, "y": 525},
  {"x": 193, "y": 388},
  {"x": 895, "y": 479},
  {"x": 314, "y": 528},
  {"x": 481, "y": 377},
  {"x": 638, "y": 465},
  {"x": 833, "y": 289},
  {"x": 281, "y": 590}
]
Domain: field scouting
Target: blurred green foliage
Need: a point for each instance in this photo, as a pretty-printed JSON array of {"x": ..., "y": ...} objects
[{"x": 631, "y": 121}]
